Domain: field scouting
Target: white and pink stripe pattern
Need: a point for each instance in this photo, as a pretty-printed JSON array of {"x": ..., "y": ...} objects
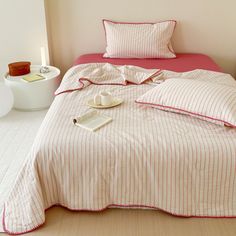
[
  {"x": 139, "y": 40},
  {"x": 144, "y": 158},
  {"x": 81, "y": 76},
  {"x": 206, "y": 100}
]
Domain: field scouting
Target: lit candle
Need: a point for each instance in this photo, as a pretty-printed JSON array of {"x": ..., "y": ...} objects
[{"x": 43, "y": 56}]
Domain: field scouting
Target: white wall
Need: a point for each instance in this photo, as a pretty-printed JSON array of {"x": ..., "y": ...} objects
[
  {"x": 204, "y": 26},
  {"x": 22, "y": 31}
]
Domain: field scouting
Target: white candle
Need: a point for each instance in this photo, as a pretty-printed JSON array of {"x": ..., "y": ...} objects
[{"x": 43, "y": 56}]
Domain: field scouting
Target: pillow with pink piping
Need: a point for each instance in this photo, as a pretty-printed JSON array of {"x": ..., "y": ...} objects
[
  {"x": 205, "y": 100},
  {"x": 139, "y": 40}
]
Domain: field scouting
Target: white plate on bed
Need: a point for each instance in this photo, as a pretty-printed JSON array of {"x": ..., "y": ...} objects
[{"x": 116, "y": 102}]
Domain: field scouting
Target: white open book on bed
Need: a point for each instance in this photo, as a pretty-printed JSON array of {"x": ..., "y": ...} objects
[{"x": 92, "y": 120}]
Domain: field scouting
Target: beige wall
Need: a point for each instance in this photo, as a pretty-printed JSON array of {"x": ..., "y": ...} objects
[
  {"x": 204, "y": 26},
  {"x": 23, "y": 32}
]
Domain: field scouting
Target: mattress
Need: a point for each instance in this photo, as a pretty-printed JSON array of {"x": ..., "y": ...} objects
[{"x": 183, "y": 62}]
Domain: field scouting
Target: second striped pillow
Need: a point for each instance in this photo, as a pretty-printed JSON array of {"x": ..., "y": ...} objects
[{"x": 205, "y": 100}]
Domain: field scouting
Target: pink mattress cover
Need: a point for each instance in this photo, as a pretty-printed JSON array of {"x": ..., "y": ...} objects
[{"x": 183, "y": 62}]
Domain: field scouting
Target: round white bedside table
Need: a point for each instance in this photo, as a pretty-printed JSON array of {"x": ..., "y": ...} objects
[{"x": 35, "y": 95}]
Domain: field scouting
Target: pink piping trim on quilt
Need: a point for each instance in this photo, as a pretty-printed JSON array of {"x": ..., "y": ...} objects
[
  {"x": 102, "y": 209},
  {"x": 189, "y": 112},
  {"x": 92, "y": 82},
  {"x": 139, "y": 23}
]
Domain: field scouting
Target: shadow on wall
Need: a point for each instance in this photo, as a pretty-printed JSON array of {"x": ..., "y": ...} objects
[{"x": 226, "y": 64}]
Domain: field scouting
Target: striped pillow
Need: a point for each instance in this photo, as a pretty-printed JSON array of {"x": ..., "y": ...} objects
[
  {"x": 205, "y": 100},
  {"x": 139, "y": 40}
]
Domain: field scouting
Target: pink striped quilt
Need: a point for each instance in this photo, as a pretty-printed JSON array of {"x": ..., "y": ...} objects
[{"x": 144, "y": 158}]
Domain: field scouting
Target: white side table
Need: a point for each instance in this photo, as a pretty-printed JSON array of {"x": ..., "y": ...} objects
[{"x": 34, "y": 95}]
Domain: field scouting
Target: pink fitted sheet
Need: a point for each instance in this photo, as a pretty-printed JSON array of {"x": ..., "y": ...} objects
[{"x": 183, "y": 62}]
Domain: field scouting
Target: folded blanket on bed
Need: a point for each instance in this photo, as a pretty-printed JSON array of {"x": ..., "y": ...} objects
[{"x": 81, "y": 76}]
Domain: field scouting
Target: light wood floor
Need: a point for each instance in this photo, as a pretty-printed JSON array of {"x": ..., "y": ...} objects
[{"x": 118, "y": 222}]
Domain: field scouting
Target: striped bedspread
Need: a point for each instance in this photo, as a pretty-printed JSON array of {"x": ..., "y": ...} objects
[{"x": 144, "y": 158}]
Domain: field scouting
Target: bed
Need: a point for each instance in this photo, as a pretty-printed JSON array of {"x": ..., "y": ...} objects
[{"x": 145, "y": 158}]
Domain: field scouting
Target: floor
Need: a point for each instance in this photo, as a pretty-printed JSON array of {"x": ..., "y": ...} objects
[
  {"x": 17, "y": 132},
  {"x": 117, "y": 222}
]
